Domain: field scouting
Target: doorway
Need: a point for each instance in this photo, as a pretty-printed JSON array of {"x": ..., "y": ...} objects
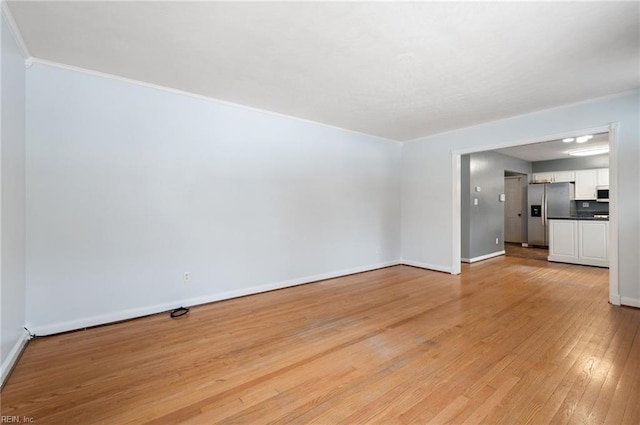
[
  {"x": 514, "y": 207},
  {"x": 515, "y": 219},
  {"x": 611, "y": 129}
]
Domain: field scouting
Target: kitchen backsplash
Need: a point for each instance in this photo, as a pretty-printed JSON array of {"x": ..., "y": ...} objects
[{"x": 592, "y": 207}]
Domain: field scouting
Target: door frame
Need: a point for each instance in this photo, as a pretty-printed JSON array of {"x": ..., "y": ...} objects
[
  {"x": 612, "y": 129},
  {"x": 523, "y": 207}
]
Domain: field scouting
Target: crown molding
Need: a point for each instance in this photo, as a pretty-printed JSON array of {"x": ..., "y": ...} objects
[
  {"x": 532, "y": 113},
  {"x": 13, "y": 27}
]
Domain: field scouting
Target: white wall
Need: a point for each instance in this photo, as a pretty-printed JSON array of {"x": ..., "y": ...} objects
[
  {"x": 427, "y": 188},
  {"x": 128, "y": 187},
  {"x": 12, "y": 189}
]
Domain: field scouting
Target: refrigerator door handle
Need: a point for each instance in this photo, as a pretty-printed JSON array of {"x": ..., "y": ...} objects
[{"x": 544, "y": 210}]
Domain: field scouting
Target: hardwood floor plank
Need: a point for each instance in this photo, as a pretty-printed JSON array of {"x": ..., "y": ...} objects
[
  {"x": 624, "y": 395},
  {"x": 510, "y": 340},
  {"x": 617, "y": 355},
  {"x": 589, "y": 371},
  {"x": 632, "y": 409},
  {"x": 555, "y": 392},
  {"x": 445, "y": 415},
  {"x": 538, "y": 369},
  {"x": 490, "y": 403}
]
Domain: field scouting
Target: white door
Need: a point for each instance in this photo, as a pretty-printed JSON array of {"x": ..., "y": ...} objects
[{"x": 513, "y": 209}]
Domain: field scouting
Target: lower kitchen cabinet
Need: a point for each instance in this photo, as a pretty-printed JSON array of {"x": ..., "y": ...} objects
[
  {"x": 593, "y": 242},
  {"x": 563, "y": 241},
  {"x": 579, "y": 242}
]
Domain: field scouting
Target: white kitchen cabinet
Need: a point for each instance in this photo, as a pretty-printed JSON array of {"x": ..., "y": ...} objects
[
  {"x": 554, "y": 177},
  {"x": 603, "y": 176},
  {"x": 583, "y": 242},
  {"x": 593, "y": 242},
  {"x": 563, "y": 241},
  {"x": 564, "y": 176},
  {"x": 586, "y": 182},
  {"x": 543, "y": 177}
]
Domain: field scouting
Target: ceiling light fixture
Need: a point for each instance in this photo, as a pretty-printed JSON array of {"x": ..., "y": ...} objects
[
  {"x": 589, "y": 151},
  {"x": 568, "y": 140},
  {"x": 582, "y": 139}
]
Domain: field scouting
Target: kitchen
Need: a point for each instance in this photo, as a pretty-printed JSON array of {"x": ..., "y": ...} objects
[
  {"x": 573, "y": 235},
  {"x": 549, "y": 195}
]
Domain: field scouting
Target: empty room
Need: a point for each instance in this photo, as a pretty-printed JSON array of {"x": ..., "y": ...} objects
[{"x": 319, "y": 212}]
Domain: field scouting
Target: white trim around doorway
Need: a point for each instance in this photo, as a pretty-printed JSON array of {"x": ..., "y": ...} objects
[{"x": 612, "y": 129}]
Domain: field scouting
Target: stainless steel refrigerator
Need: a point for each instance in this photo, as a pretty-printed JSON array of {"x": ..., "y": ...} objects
[{"x": 548, "y": 200}]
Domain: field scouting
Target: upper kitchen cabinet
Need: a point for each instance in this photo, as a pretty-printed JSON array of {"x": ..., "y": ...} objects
[
  {"x": 564, "y": 176},
  {"x": 542, "y": 178},
  {"x": 587, "y": 180},
  {"x": 603, "y": 177},
  {"x": 554, "y": 177}
]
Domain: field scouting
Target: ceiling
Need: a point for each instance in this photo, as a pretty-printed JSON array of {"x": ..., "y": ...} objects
[
  {"x": 554, "y": 149},
  {"x": 395, "y": 70}
]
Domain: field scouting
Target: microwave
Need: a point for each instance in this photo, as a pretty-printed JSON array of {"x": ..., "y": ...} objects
[{"x": 602, "y": 193}]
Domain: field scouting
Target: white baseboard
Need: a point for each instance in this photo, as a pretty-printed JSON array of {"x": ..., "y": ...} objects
[
  {"x": 425, "y": 266},
  {"x": 482, "y": 257},
  {"x": 582, "y": 262},
  {"x": 159, "y": 308},
  {"x": 632, "y": 302},
  {"x": 12, "y": 358},
  {"x": 614, "y": 299}
]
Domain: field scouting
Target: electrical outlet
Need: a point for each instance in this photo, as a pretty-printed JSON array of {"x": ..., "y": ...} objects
[
  {"x": 186, "y": 277},
  {"x": 497, "y": 241},
  {"x": 585, "y": 204}
]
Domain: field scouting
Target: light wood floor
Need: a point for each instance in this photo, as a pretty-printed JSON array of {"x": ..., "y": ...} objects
[
  {"x": 533, "y": 253},
  {"x": 509, "y": 341}
]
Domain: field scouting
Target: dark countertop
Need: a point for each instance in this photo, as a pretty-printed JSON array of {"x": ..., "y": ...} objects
[{"x": 581, "y": 217}]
